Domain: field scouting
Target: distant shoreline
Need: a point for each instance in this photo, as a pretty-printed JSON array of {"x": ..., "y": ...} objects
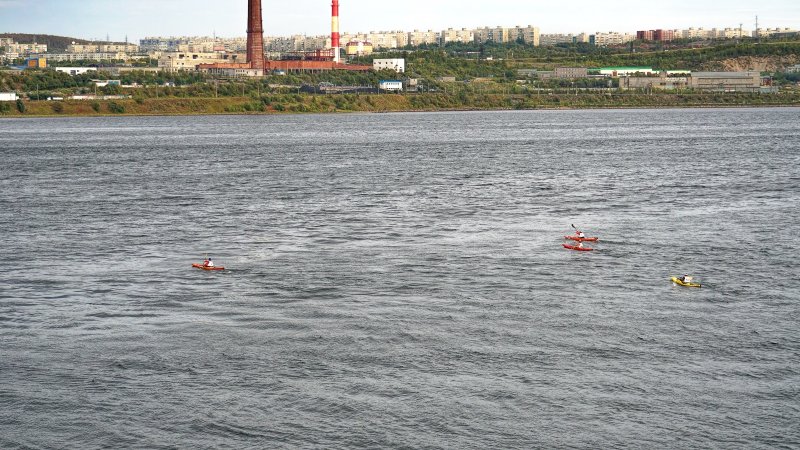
[{"x": 281, "y": 104}]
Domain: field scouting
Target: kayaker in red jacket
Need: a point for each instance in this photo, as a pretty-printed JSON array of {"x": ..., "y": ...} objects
[
  {"x": 580, "y": 234},
  {"x": 208, "y": 262}
]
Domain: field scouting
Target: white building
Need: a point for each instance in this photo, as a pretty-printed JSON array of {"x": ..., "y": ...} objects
[
  {"x": 398, "y": 64},
  {"x": 8, "y": 97},
  {"x": 390, "y": 85},
  {"x": 234, "y": 72},
  {"x": 626, "y": 71},
  {"x": 76, "y": 70}
]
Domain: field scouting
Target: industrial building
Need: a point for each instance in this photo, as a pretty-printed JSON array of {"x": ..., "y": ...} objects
[
  {"x": 624, "y": 71},
  {"x": 571, "y": 72},
  {"x": 183, "y": 61},
  {"x": 257, "y": 65},
  {"x": 750, "y": 81}
]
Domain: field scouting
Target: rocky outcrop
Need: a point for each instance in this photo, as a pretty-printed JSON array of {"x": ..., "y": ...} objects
[{"x": 757, "y": 63}]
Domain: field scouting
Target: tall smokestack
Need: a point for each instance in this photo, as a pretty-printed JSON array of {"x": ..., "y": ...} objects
[
  {"x": 255, "y": 35},
  {"x": 335, "y": 29}
]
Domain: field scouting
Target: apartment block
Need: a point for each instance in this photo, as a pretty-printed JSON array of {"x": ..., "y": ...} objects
[
  {"x": 497, "y": 35},
  {"x": 25, "y": 49},
  {"x": 102, "y": 48},
  {"x": 656, "y": 35},
  {"x": 555, "y": 39},
  {"x": 417, "y": 37},
  {"x": 764, "y": 32},
  {"x": 612, "y": 38},
  {"x": 529, "y": 35},
  {"x": 463, "y": 35},
  {"x": 89, "y": 56}
]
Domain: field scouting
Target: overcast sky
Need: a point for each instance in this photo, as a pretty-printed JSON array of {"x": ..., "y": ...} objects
[{"x": 94, "y": 19}]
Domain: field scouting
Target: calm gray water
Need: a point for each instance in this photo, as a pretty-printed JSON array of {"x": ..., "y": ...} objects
[{"x": 398, "y": 280}]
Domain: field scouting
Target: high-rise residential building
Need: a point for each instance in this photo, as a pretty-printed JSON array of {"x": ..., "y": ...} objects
[
  {"x": 764, "y": 32},
  {"x": 497, "y": 35},
  {"x": 25, "y": 49},
  {"x": 550, "y": 40},
  {"x": 463, "y": 35},
  {"x": 529, "y": 35},
  {"x": 417, "y": 37},
  {"x": 102, "y": 48},
  {"x": 696, "y": 33},
  {"x": 656, "y": 35},
  {"x": 384, "y": 39},
  {"x": 602, "y": 39}
]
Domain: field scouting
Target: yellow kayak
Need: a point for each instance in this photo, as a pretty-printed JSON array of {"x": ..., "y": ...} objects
[{"x": 678, "y": 281}]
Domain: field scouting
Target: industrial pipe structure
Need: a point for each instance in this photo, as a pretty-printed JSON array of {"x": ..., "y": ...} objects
[
  {"x": 255, "y": 35},
  {"x": 335, "y": 30}
]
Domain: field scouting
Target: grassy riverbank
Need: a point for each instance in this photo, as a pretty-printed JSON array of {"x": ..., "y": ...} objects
[{"x": 303, "y": 103}]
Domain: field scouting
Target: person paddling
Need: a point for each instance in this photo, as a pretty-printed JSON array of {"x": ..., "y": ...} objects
[
  {"x": 686, "y": 279},
  {"x": 578, "y": 232},
  {"x": 208, "y": 262}
]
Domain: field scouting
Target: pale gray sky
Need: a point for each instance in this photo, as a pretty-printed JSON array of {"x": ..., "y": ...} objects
[{"x": 94, "y": 19}]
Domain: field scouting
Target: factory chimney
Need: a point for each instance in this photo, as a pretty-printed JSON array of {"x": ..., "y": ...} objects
[
  {"x": 255, "y": 35},
  {"x": 335, "y": 29}
]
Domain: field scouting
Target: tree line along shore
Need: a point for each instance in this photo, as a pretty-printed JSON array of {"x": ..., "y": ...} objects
[{"x": 305, "y": 103}]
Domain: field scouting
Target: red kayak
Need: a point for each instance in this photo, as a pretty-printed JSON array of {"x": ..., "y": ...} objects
[
  {"x": 582, "y": 239},
  {"x": 200, "y": 266},
  {"x": 575, "y": 247}
]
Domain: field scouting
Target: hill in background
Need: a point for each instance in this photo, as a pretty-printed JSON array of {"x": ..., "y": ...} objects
[{"x": 55, "y": 44}]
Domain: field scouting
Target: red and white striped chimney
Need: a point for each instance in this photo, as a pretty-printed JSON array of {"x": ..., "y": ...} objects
[{"x": 335, "y": 29}]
